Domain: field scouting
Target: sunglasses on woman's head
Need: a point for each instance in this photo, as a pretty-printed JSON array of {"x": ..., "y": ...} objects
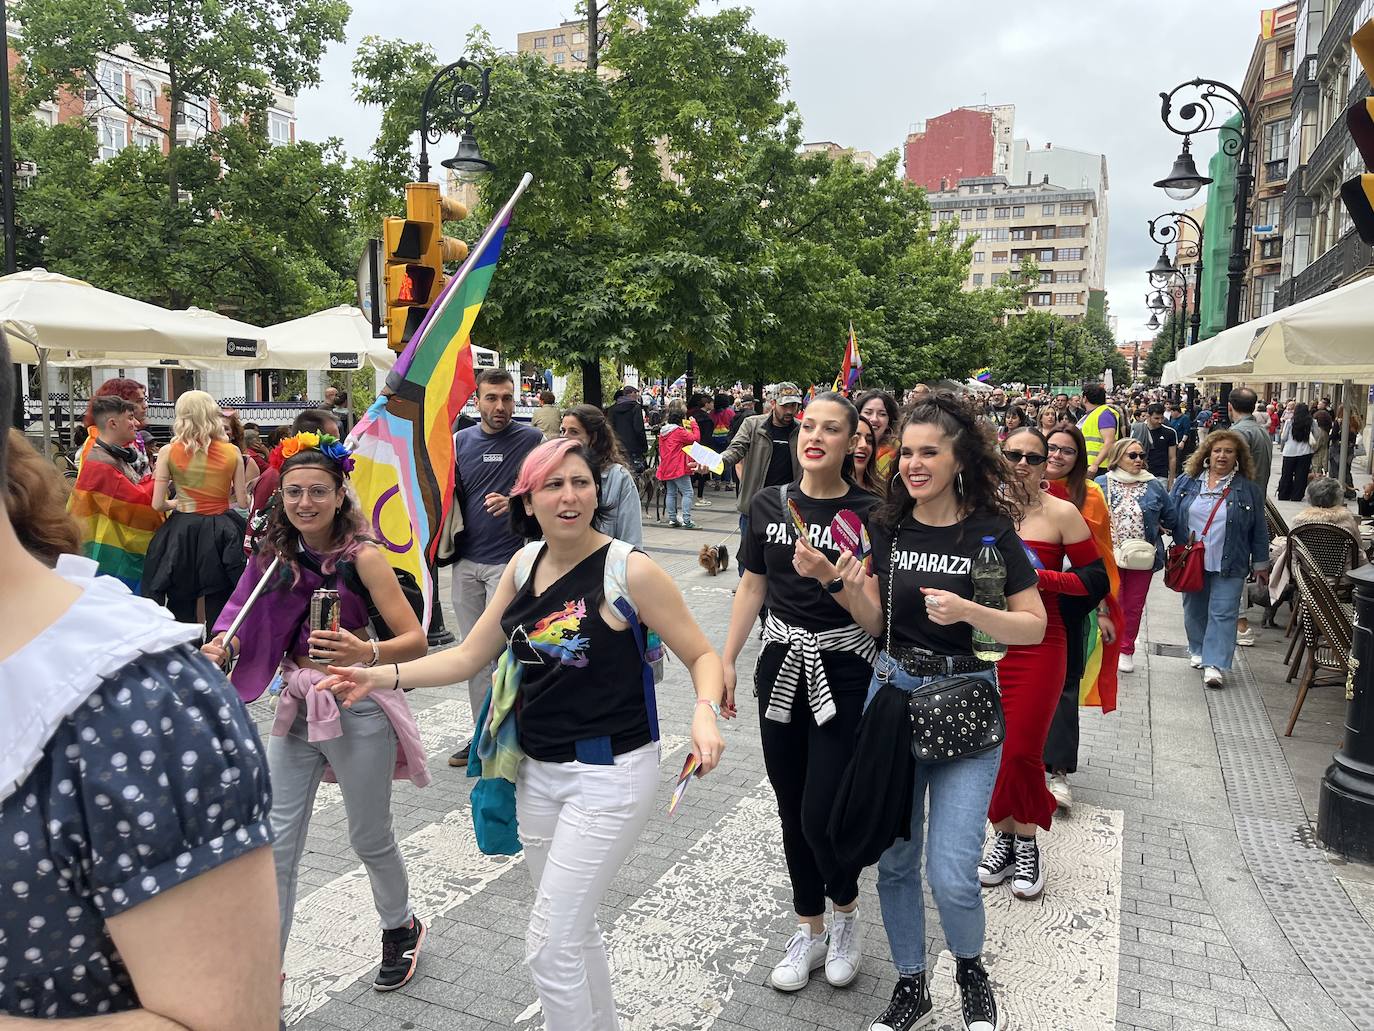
[{"x": 1029, "y": 457}]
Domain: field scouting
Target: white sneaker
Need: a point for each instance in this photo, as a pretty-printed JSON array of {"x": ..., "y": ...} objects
[
  {"x": 1211, "y": 677},
  {"x": 1126, "y": 664},
  {"x": 805, "y": 952},
  {"x": 1059, "y": 788},
  {"x": 1195, "y": 661},
  {"x": 846, "y": 948},
  {"x": 1245, "y": 638}
]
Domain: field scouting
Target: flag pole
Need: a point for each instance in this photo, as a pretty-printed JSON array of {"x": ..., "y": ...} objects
[{"x": 250, "y": 602}]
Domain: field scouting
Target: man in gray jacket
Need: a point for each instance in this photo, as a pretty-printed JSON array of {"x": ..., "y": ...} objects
[
  {"x": 767, "y": 445},
  {"x": 1240, "y": 405}
]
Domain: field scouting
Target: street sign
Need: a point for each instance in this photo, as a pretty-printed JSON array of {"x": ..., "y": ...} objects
[{"x": 369, "y": 300}]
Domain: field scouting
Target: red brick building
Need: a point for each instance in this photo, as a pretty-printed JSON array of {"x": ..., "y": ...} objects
[{"x": 965, "y": 143}]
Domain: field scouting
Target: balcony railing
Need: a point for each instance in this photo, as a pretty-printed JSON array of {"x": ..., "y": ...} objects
[
  {"x": 1327, "y": 155},
  {"x": 1276, "y": 171},
  {"x": 1338, "y": 265},
  {"x": 1337, "y": 32}
]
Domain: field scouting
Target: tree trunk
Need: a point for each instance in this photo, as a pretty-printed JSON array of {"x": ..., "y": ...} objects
[
  {"x": 591, "y": 381},
  {"x": 593, "y": 31}
]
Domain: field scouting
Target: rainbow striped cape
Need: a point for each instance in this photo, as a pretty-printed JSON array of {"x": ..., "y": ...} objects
[
  {"x": 403, "y": 446},
  {"x": 115, "y": 517}
]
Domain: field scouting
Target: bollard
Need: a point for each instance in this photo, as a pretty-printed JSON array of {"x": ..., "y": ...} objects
[
  {"x": 437, "y": 635},
  {"x": 1345, "y": 810}
]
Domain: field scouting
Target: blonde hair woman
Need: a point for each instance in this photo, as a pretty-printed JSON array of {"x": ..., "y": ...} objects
[{"x": 196, "y": 557}]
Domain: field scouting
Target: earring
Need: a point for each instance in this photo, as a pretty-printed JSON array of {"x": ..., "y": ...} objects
[
  {"x": 1044, "y": 484},
  {"x": 959, "y": 482}
]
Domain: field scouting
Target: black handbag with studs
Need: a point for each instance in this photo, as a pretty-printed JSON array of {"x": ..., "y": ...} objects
[{"x": 952, "y": 717}]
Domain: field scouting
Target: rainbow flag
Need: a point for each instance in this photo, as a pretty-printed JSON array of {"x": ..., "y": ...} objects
[
  {"x": 403, "y": 446},
  {"x": 115, "y": 518},
  {"x": 851, "y": 369},
  {"x": 983, "y": 375}
]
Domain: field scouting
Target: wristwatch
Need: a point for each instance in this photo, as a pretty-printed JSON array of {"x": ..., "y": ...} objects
[
  {"x": 835, "y": 586},
  {"x": 715, "y": 706}
]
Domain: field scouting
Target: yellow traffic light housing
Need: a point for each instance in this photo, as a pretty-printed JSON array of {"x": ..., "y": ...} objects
[
  {"x": 415, "y": 249},
  {"x": 1358, "y": 193}
]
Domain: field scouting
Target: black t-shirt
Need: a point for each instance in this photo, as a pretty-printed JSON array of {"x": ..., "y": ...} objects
[
  {"x": 1157, "y": 454},
  {"x": 780, "y": 461},
  {"x": 767, "y": 550},
  {"x": 941, "y": 557},
  {"x": 581, "y": 679}
]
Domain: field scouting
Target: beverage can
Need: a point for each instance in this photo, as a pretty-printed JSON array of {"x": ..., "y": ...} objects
[{"x": 324, "y": 610}]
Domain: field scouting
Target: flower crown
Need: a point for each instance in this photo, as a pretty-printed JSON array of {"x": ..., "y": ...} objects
[{"x": 330, "y": 446}]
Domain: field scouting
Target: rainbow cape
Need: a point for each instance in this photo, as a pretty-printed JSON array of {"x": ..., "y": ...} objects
[
  {"x": 403, "y": 446},
  {"x": 115, "y": 518}
]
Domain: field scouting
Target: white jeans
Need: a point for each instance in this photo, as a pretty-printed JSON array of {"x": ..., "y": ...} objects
[{"x": 578, "y": 823}]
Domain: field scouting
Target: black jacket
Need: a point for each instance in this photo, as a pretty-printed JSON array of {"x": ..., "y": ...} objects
[
  {"x": 627, "y": 422},
  {"x": 873, "y": 804}
]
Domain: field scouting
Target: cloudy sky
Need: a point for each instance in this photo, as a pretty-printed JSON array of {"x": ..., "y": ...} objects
[{"x": 1082, "y": 73}]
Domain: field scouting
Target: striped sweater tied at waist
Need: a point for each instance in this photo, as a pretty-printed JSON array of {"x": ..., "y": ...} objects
[{"x": 804, "y": 653}]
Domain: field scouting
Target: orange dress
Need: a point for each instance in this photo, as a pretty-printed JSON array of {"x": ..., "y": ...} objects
[{"x": 205, "y": 479}]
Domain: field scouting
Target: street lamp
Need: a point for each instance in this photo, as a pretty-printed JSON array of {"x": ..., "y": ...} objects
[
  {"x": 1184, "y": 180},
  {"x": 1164, "y": 230},
  {"x": 452, "y": 96},
  {"x": 1154, "y": 321},
  {"x": 1155, "y": 301}
]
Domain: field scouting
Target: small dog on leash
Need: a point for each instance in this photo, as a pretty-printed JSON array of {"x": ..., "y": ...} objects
[{"x": 714, "y": 558}]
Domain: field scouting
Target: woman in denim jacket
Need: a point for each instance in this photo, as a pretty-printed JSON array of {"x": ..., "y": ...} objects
[
  {"x": 1140, "y": 508},
  {"x": 1237, "y": 542}
]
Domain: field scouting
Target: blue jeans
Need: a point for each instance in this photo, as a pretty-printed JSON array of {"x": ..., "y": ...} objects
[
  {"x": 960, "y": 791},
  {"x": 1209, "y": 617},
  {"x": 680, "y": 492}
]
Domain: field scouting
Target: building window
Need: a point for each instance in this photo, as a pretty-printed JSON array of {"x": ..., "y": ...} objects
[
  {"x": 1066, "y": 299},
  {"x": 579, "y": 37},
  {"x": 145, "y": 97},
  {"x": 982, "y": 215},
  {"x": 1271, "y": 248},
  {"x": 946, "y": 215},
  {"x": 278, "y": 128},
  {"x": 579, "y": 55},
  {"x": 1072, "y": 208},
  {"x": 1046, "y": 276},
  {"x": 108, "y": 82},
  {"x": 194, "y": 112},
  {"x": 1018, "y": 211},
  {"x": 1048, "y": 255},
  {"x": 1039, "y": 300},
  {"x": 1047, "y": 209},
  {"x": 978, "y": 279},
  {"x": 998, "y": 278},
  {"x": 1070, "y": 254},
  {"x": 1286, "y": 59},
  {"x": 147, "y": 140},
  {"x": 1276, "y": 140},
  {"x": 114, "y": 137},
  {"x": 980, "y": 256},
  {"x": 1001, "y": 212},
  {"x": 1263, "y": 294},
  {"x": 541, "y": 42},
  {"x": 1020, "y": 234},
  {"x": 999, "y": 257},
  {"x": 559, "y": 57},
  {"x": 560, "y": 41},
  {"x": 1075, "y": 276}
]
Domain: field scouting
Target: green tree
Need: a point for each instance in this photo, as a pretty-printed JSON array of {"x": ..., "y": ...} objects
[{"x": 234, "y": 51}]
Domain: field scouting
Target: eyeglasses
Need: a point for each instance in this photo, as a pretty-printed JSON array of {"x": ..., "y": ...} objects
[
  {"x": 1137, "y": 455},
  {"x": 1067, "y": 452},
  {"x": 1029, "y": 457},
  {"x": 317, "y": 492}
]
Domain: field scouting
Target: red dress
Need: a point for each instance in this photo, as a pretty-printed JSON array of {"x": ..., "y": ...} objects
[{"x": 1032, "y": 679}]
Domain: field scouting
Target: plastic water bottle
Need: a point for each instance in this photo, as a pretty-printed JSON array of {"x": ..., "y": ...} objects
[{"x": 989, "y": 581}]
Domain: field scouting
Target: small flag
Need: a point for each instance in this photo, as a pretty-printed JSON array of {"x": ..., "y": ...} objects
[
  {"x": 983, "y": 375},
  {"x": 851, "y": 369}
]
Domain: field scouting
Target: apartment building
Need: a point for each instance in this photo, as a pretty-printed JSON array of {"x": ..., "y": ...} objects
[
  {"x": 1268, "y": 92},
  {"x": 128, "y": 103},
  {"x": 1321, "y": 249},
  {"x": 864, "y": 158},
  {"x": 967, "y": 142},
  {"x": 1075, "y": 170},
  {"x": 564, "y": 45},
  {"x": 1054, "y": 226}
]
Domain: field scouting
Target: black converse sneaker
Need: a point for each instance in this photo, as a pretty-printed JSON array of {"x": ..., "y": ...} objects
[
  {"x": 980, "y": 1009},
  {"x": 910, "y": 1007},
  {"x": 999, "y": 860},
  {"x": 1029, "y": 879},
  {"x": 400, "y": 954}
]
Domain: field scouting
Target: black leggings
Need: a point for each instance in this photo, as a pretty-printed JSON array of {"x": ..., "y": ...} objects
[
  {"x": 1293, "y": 477},
  {"x": 805, "y": 763}
]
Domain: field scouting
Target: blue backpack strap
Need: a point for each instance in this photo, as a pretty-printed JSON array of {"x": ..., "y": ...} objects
[{"x": 617, "y": 590}]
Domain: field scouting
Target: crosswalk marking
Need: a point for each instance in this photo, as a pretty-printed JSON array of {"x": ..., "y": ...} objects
[{"x": 335, "y": 938}]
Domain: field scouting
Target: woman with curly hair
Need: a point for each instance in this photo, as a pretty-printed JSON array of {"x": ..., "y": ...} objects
[
  {"x": 952, "y": 495},
  {"x": 619, "y": 514},
  {"x": 196, "y": 556},
  {"x": 1218, "y": 501},
  {"x": 319, "y": 538}
]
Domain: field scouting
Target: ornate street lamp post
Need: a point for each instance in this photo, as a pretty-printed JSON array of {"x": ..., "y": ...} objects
[
  {"x": 450, "y": 100},
  {"x": 1164, "y": 230}
]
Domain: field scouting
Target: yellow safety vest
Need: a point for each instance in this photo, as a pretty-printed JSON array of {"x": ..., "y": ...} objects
[{"x": 1092, "y": 434}]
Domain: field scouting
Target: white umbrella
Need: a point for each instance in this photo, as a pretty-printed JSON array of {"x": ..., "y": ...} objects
[{"x": 337, "y": 339}]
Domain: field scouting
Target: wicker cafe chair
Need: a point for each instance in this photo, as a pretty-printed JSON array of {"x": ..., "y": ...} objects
[
  {"x": 1326, "y": 632},
  {"x": 1278, "y": 527},
  {"x": 1332, "y": 551}
]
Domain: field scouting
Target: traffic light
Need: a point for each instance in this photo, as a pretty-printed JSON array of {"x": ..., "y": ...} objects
[
  {"x": 1358, "y": 193},
  {"x": 416, "y": 248}
]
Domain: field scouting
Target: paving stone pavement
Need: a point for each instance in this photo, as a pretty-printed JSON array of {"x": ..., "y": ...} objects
[{"x": 1169, "y": 905}]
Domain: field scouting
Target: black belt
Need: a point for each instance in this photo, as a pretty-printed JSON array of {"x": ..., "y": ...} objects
[{"x": 920, "y": 663}]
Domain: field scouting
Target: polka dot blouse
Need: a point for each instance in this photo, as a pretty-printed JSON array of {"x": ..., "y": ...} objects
[{"x": 158, "y": 777}]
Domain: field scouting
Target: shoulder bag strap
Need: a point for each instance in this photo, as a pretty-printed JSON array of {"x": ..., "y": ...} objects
[
  {"x": 524, "y": 562},
  {"x": 1218, "y": 505},
  {"x": 891, "y": 575}
]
